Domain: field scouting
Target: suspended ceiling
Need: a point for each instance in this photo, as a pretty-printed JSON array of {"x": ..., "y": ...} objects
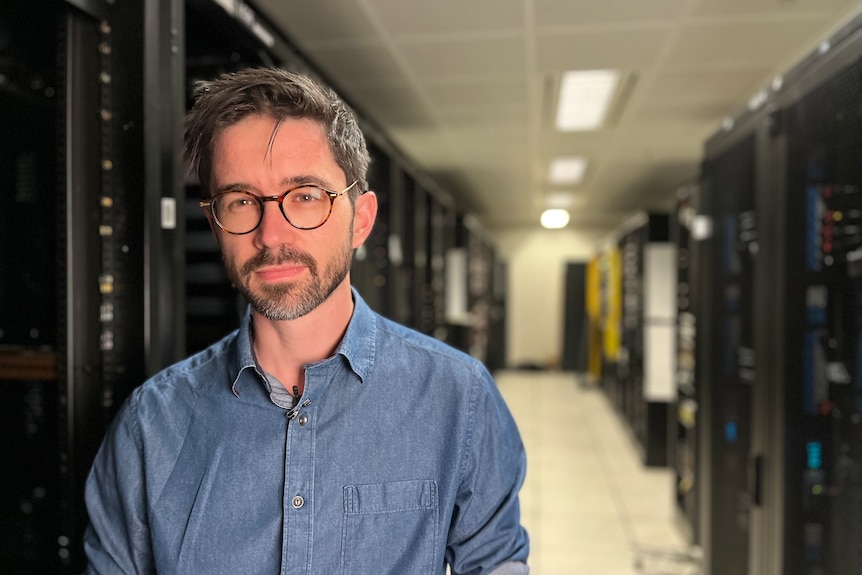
[{"x": 468, "y": 88}]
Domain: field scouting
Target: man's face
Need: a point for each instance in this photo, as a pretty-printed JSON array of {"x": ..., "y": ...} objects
[{"x": 284, "y": 272}]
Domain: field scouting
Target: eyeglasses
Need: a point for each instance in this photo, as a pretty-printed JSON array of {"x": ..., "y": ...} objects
[{"x": 240, "y": 212}]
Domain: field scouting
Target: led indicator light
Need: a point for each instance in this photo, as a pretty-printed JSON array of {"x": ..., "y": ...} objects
[
  {"x": 814, "y": 450},
  {"x": 731, "y": 432}
]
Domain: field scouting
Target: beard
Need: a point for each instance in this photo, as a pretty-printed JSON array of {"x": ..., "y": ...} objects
[{"x": 290, "y": 300}]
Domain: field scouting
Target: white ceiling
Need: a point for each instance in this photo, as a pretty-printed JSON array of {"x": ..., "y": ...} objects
[{"x": 467, "y": 88}]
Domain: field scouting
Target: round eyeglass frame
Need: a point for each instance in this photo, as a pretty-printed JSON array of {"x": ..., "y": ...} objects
[{"x": 209, "y": 205}]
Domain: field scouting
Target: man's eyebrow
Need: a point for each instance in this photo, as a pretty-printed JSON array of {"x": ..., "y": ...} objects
[
  {"x": 235, "y": 187},
  {"x": 304, "y": 180},
  {"x": 286, "y": 183}
]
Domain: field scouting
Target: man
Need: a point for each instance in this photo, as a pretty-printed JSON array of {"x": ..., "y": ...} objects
[{"x": 319, "y": 437}]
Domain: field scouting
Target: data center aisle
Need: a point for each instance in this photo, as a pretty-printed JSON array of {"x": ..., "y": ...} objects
[{"x": 589, "y": 504}]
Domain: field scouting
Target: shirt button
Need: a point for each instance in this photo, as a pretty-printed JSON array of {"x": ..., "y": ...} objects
[
  {"x": 298, "y": 502},
  {"x": 303, "y": 419}
]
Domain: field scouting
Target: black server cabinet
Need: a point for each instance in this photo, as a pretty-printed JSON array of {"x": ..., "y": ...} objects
[
  {"x": 372, "y": 268},
  {"x": 725, "y": 367},
  {"x": 496, "y": 359},
  {"x": 480, "y": 288},
  {"x": 433, "y": 230},
  {"x": 408, "y": 307},
  {"x": 647, "y": 417},
  {"x": 441, "y": 238},
  {"x": 630, "y": 367},
  {"x": 783, "y": 376},
  {"x": 400, "y": 259},
  {"x": 684, "y": 424},
  {"x": 141, "y": 82},
  {"x": 469, "y": 270},
  {"x": 32, "y": 285},
  {"x": 575, "y": 325},
  {"x": 86, "y": 306},
  {"x": 459, "y": 321},
  {"x": 810, "y": 472},
  {"x": 422, "y": 295}
]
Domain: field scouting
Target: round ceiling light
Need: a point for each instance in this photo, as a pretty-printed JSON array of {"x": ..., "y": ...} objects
[{"x": 555, "y": 219}]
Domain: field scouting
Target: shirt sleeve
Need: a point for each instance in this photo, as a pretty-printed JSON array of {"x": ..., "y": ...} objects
[
  {"x": 515, "y": 568},
  {"x": 117, "y": 539},
  {"x": 486, "y": 536}
]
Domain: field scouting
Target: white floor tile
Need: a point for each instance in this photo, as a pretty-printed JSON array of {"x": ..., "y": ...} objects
[{"x": 588, "y": 501}]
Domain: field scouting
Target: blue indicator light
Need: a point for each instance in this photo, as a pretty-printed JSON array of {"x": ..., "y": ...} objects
[
  {"x": 814, "y": 449},
  {"x": 731, "y": 432}
]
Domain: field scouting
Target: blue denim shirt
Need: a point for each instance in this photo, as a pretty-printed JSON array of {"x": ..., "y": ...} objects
[{"x": 400, "y": 457}]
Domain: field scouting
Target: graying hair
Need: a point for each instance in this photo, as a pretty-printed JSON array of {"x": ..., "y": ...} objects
[{"x": 279, "y": 94}]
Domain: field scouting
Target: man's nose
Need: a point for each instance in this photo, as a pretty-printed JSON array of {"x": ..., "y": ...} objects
[{"x": 274, "y": 229}]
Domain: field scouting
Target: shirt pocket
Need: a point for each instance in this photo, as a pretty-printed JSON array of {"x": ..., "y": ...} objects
[{"x": 390, "y": 528}]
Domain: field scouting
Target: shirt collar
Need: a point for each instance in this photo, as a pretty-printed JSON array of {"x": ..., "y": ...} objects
[
  {"x": 245, "y": 353},
  {"x": 357, "y": 346},
  {"x": 360, "y": 340}
]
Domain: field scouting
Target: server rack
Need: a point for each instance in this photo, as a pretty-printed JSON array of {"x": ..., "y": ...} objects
[
  {"x": 470, "y": 290},
  {"x": 84, "y": 202},
  {"x": 399, "y": 257},
  {"x": 372, "y": 273},
  {"x": 783, "y": 463},
  {"x": 496, "y": 358},
  {"x": 441, "y": 238},
  {"x": 725, "y": 361},
  {"x": 422, "y": 295},
  {"x": 576, "y": 326},
  {"x": 685, "y": 424},
  {"x": 32, "y": 287},
  {"x": 610, "y": 267},
  {"x": 593, "y": 304},
  {"x": 810, "y": 472},
  {"x": 645, "y": 383},
  {"x": 411, "y": 253}
]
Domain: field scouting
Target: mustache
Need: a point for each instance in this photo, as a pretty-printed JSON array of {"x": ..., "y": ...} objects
[{"x": 285, "y": 255}]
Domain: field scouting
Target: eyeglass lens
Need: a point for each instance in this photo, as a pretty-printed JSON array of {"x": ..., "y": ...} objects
[{"x": 241, "y": 212}]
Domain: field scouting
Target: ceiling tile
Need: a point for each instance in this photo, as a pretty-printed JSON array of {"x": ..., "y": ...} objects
[
  {"x": 738, "y": 7},
  {"x": 756, "y": 44},
  {"x": 491, "y": 58},
  {"x": 328, "y": 22},
  {"x": 447, "y": 16},
  {"x": 393, "y": 106},
  {"x": 359, "y": 66},
  {"x": 621, "y": 50},
  {"x": 502, "y": 135},
  {"x": 725, "y": 88},
  {"x": 509, "y": 95},
  {"x": 589, "y": 12}
]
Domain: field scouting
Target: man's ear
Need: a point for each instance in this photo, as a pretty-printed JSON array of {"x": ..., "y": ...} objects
[{"x": 365, "y": 213}]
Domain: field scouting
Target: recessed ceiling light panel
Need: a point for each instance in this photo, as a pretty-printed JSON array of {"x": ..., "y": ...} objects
[
  {"x": 567, "y": 171},
  {"x": 585, "y": 96}
]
